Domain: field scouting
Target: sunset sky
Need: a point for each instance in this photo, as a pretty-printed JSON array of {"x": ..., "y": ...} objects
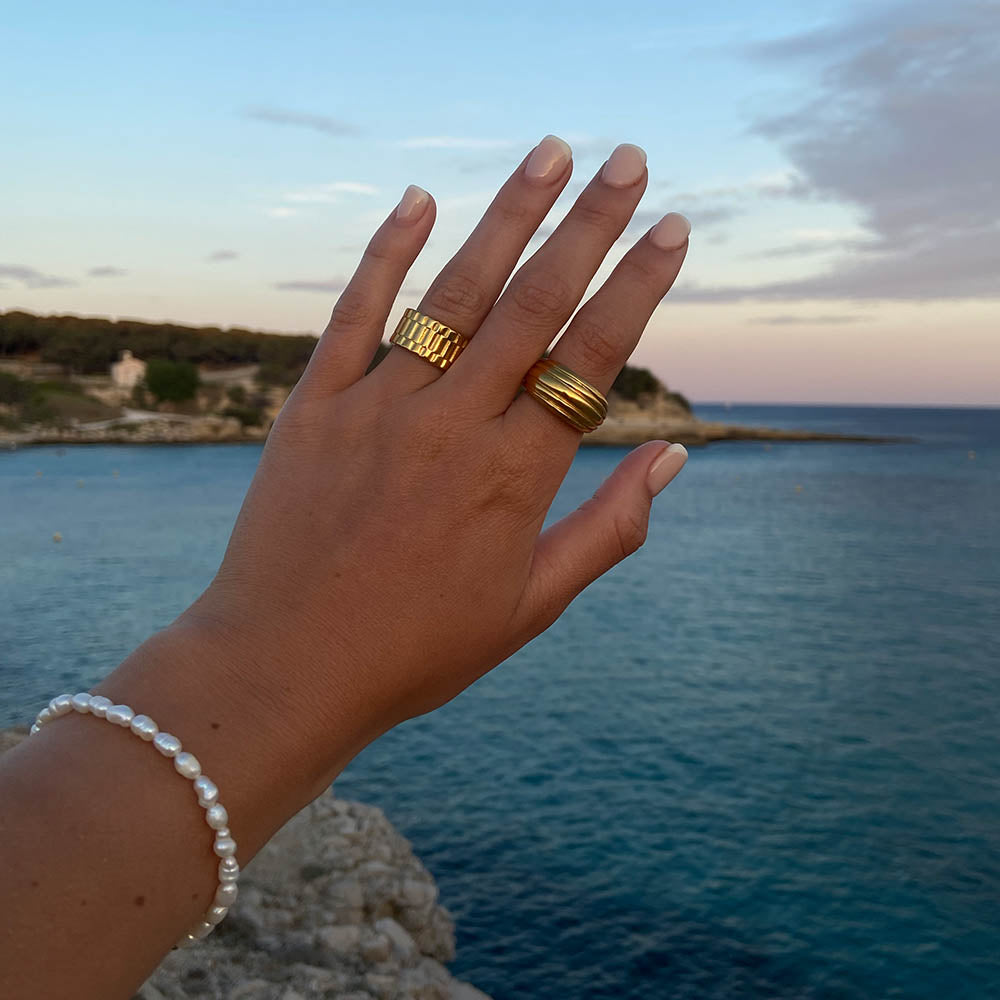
[{"x": 226, "y": 163}]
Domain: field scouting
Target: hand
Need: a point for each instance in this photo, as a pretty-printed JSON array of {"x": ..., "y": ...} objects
[{"x": 389, "y": 551}]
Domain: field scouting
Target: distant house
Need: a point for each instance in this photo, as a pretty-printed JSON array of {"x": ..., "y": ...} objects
[{"x": 128, "y": 372}]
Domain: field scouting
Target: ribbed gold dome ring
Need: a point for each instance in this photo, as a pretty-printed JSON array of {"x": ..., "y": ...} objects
[
  {"x": 429, "y": 339},
  {"x": 573, "y": 398}
]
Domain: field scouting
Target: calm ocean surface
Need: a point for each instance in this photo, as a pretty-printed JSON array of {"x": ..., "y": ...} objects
[{"x": 761, "y": 759}]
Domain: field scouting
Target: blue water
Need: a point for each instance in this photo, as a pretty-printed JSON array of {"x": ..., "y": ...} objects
[{"x": 761, "y": 759}]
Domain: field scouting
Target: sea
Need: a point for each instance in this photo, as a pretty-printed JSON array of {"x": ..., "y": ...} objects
[{"x": 760, "y": 759}]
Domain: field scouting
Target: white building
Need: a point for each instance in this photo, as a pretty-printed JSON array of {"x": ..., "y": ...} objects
[{"x": 128, "y": 372}]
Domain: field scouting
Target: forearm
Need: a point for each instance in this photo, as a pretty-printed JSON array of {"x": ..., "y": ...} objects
[{"x": 104, "y": 850}]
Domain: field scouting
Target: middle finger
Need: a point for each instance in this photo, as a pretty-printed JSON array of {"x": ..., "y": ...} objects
[{"x": 548, "y": 287}]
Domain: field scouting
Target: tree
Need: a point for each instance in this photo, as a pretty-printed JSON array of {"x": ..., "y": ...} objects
[{"x": 171, "y": 380}]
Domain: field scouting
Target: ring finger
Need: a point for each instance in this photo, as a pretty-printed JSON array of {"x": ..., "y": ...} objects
[
  {"x": 469, "y": 284},
  {"x": 605, "y": 331}
]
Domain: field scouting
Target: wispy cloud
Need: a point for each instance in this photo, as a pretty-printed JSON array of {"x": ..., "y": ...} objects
[
  {"x": 30, "y": 277},
  {"x": 297, "y": 119},
  {"x": 454, "y": 142},
  {"x": 811, "y": 242},
  {"x": 330, "y": 286},
  {"x": 954, "y": 266},
  {"x": 106, "y": 271},
  {"x": 329, "y": 194},
  {"x": 786, "y": 319},
  {"x": 223, "y": 255},
  {"x": 280, "y": 212}
]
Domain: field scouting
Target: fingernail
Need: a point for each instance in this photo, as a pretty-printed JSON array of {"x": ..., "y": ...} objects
[
  {"x": 625, "y": 166},
  {"x": 671, "y": 232},
  {"x": 412, "y": 205},
  {"x": 668, "y": 463},
  {"x": 548, "y": 161}
]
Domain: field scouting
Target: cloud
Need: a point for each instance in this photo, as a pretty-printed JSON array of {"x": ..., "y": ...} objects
[
  {"x": 280, "y": 212},
  {"x": 297, "y": 119},
  {"x": 957, "y": 266},
  {"x": 329, "y": 194},
  {"x": 106, "y": 271},
  {"x": 789, "y": 320},
  {"x": 806, "y": 242},
  {"x": 32, "y": 278},
  {"x": 223, "y": 255},
  {"x": 454, "y": 142},
  {"x": 901, "y": 124},
  {"x": 332, "y": 286}
]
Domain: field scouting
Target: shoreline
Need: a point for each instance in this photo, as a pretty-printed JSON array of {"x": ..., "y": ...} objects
[{"x": 612, "y": 433}]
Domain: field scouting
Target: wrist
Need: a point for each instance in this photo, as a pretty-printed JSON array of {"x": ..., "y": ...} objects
[{"x": 242, "y": 717}]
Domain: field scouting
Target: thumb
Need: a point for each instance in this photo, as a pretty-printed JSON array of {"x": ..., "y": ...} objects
[{"x": 610, "y": 526}]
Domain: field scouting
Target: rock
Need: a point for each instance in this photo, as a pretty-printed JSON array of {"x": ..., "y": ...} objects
[
  {"x": 255, "y": 989},
  {"x": 376, "y": 948},
  {"x": 419, "y": 894},
  {"x": 9, "y": 738},
  {"x": 344, "y": 939},
  {"x": 402, "y": 942},
  {"x": 463, "y": 991}
]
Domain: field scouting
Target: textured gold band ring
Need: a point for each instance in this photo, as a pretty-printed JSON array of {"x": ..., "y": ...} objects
[
  {"x": 429, "y": 339},
  {"x": 574, "y": 399}
]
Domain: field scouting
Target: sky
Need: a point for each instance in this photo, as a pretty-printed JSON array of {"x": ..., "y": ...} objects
[{"x": 225, "y": 164}]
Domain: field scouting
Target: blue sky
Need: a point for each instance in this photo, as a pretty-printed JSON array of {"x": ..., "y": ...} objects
[{"x": 225, "y": 164}]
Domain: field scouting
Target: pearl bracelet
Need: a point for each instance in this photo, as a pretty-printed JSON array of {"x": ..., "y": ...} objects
[{"x": 187, "y": 766}]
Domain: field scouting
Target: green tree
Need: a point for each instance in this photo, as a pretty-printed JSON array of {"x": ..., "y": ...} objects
[{"x": 171, "y": 380}]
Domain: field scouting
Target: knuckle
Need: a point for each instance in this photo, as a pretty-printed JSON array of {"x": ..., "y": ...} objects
[
  {"x": 544, "y": 296},
  {"x": 352, "y": 312},
  {"x": 510, "y": 212},
  {"x": 630, "y": 529},
  {"x": 598, "y": 346},
  {"x": 459, "y": 294},
  {"x": 595, "y": 214},
  {"x": 380, "y": 251},
  {"x": 638, "y": 268}
]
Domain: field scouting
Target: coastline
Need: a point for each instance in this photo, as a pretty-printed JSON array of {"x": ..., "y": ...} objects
[{"x": 614, "y": 432}]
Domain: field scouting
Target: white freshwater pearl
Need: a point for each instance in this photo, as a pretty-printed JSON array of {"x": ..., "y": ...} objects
[
  {"x": 186, "y": 941},
  {"x": 216, "y": 816},
  {"x": 99, "y": 705},
  {"x": 216, "y": 914},
  {"x": 34, "y": 729},
  {"x": 144, "y": 727},
  {"x": 81, "y": 702},
  {"x": 206, "y": 790},
  {"x": 167, "y": 744},
  {"x": 229, "y": 870},
  {"x": 45, "y": 715},
  {"x": 120, "y": 715},
  {"x": 226, "y": 894},
  {"x": 225, "y": 847},
  {"x": 61, "y": 704},
  {"x": 187, "y": 765},
  {"x": 201, "y": 929}
]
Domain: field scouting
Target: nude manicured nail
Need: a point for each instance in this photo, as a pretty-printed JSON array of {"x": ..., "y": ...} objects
[
  {"x": 671, "y": 232},
  {"x": 625, "y": 166},
  {"x": 412, "y": 205},
  {"x": 668, "y": 463},
  {"x": 548, "y": 161}
]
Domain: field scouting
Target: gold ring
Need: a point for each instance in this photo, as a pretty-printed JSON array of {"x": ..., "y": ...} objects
[
  {"x": 574, "y": 399},
  {"x": 429, "y": 339}
]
